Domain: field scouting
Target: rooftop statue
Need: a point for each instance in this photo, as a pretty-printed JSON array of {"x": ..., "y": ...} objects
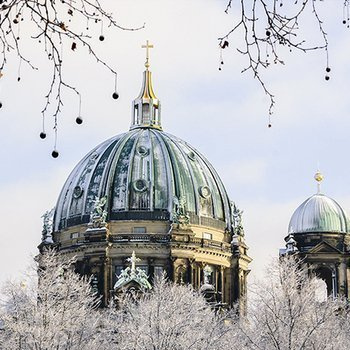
[
  {"x": 47, "y": 226},
  {"x": 236, "y": 215},
  {"x": 98, "y": 215}
]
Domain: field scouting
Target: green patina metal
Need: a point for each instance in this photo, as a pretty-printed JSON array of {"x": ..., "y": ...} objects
[
  {"x": 319, "y": 213},
  {"x": 170, "y": 171}
]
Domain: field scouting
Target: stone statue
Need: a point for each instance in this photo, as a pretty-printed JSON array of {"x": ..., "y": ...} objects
[
  {"x": 180, "y": 213},
  {"x": 47, "y": 226},
  {"x": 207, "y": 271},
  {"x": 98, "y": 215},
  {"x": 236, "y": 220}
]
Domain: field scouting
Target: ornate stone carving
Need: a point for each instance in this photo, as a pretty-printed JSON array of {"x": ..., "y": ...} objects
[
  {"x": 134, "y": 273},
  {"x": 236, "y": 220},
  {"x": 47, "y": 226},
  {"x": 98, "y": 214},
  {"x": 180, "y": 215}
]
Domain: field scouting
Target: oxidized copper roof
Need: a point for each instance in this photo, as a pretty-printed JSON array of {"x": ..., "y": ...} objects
[
  {"x": 143, "y": 172},
  {"x": 319, "y": 213}
]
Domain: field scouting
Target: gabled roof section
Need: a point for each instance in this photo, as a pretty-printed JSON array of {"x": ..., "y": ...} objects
[{"x": 324, "y": 247}]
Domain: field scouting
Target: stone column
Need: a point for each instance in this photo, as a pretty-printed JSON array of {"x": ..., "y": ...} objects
[
  {"x": 199, "y": 273},
  {"x": 216, "y": 272},
  {"x": 193, "y": 274},
  {"x": 343, "y": 290},
  {"x": 222, "y": 276},
  {"x": 107, "y": 279}
]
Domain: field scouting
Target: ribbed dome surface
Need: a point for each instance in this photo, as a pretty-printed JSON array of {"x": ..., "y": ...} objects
[
  {"x": 144, "y": 172},
  {"x": 319, "y": 213}
]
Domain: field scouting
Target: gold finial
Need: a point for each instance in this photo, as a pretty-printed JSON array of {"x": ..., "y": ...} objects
[
  {"x": 147, "y": 47},
  {"x": 318, "y": 177}
]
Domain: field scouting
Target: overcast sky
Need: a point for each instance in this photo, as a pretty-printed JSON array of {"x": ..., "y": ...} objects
[{"x": 267, "y": 172}]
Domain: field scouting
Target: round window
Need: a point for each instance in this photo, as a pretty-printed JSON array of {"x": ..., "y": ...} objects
[
  {"x": 191, "y": 155},
  {"x": 140, "y": 185},
  {"x": 77, "y": 192},
  {"x": 204, "y": 191}
]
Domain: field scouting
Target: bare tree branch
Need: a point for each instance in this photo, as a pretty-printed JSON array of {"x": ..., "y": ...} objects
[
  {"x": 55, "y": 22},
  {"x": 267, "y": 25}
]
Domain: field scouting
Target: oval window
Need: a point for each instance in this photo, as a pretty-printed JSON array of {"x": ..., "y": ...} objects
[
  {"x": 204, "y": 191},
  {"x": 140, "y": 185},
  {"x": 77, "y": 192}
]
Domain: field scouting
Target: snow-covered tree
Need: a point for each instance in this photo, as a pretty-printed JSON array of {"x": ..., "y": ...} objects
[
  {"x": 285, "y": 313},
  {"x": 170, "y": 317},
  {"x": 58, "y": 310},
  {"x": 55, "y": 311}
]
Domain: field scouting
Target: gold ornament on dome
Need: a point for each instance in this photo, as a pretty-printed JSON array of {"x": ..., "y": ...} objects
[{"x": 318, "y": 177}]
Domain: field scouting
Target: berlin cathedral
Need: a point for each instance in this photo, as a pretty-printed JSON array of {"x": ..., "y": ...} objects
[
  {"x": 148, "y": 198},
  {"x": 145, "y": 203}
]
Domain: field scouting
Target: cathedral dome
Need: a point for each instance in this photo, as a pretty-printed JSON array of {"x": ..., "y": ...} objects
[
  {"x": 145, "y": 174},
  {"x": 319, "y": 213}
]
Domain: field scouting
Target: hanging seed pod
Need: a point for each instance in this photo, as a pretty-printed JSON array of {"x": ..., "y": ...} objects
[{"x": 42, "y": 135}]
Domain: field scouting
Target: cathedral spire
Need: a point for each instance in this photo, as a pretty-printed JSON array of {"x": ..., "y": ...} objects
[{"x": 146, "y": 107}]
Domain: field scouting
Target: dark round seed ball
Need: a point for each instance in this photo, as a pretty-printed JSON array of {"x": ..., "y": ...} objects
[
  {"x": 79, "y": 120},
  {"x": 54, "y": 154},
  {"x": 0, "y": 104},
  {"x": 268, "y": 33},
  {"x": 101, "y": 38},
  {"x": 115, "y": 95},
  {"x": 328, "y": 69},
  {"x": 42, "y": 135},
  {"x": 344, "y": 21},
  {"x": 269, "y": 125},
  {"x": 327, "y": 77}
]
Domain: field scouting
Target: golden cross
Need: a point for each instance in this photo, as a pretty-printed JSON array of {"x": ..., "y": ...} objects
[{"x": 147, "y": 47}]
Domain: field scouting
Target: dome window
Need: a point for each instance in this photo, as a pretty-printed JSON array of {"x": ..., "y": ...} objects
[
  {"x": 142, "y": 151},
  {"x": 191, "y": 155},
  {"x": 77, "y": 192},
  {"x": 205, "y": 192},
  {"x": 140, "y": 185},
  {"x": 94, "y": 156}
]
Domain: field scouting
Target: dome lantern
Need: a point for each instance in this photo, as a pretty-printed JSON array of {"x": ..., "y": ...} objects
[{"x": 146, "y": 107}]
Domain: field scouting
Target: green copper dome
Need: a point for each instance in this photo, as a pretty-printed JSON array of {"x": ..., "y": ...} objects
[
  {"x": 145, "y": 174},
  {"x": 319, "y": 213}
]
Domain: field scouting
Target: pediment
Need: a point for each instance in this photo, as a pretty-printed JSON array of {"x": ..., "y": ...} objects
[{"x": 324, "y": 247}]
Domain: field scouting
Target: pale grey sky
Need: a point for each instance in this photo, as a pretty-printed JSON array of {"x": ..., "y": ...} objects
[{"x": 268, "y": 172}]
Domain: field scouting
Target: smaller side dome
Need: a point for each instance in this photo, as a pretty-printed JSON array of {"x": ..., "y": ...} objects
[{"x": 319, "y": 213}]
